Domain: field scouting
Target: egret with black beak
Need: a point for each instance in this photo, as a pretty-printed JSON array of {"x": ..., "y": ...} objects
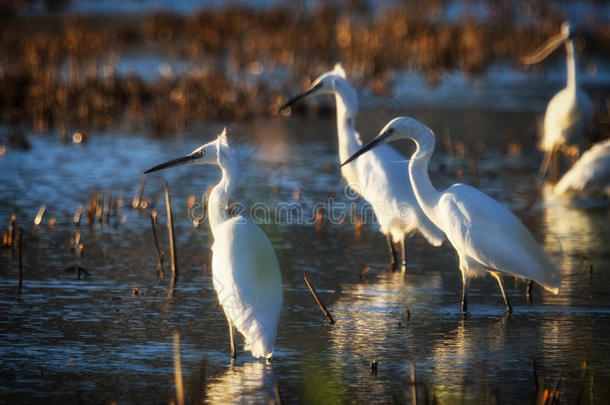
[
  {"x": 245, "y": 268},
  {"x": 486, "y": 235},
  {"x": 380, "y": 177}
]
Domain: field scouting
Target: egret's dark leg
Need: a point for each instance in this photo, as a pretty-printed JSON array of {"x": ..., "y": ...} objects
[
  {"x": 509, "y": 308},
  {"x": 530, "y": 291},
  {"x": 544, "y": 167},
  {"x": 403, "y": 246},
  {"x": 393, "y": 252},
  {"x": 232, "y": 338},
  {"x": 465, "y": 285},
  {"x": 555, "y": 161},
  {"x": 546, "y": 163}
]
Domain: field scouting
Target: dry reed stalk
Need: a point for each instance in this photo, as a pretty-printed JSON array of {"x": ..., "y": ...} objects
[
  {"x": 318, "y": 300},
  {"x": 170, "y": 229}
]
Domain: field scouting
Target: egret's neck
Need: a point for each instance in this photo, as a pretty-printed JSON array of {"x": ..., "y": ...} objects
[
  {"x": 571, "y": 65},
  {"x": 219, "y": 197},
  {"x": 347, "y": 109},
  {"x": 427, "y": 196}
]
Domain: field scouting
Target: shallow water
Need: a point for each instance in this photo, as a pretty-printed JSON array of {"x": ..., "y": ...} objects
[{"x": 92, "y": 339}]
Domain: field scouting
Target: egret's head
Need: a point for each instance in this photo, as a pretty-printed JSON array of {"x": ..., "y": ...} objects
[
  {"x": 566, "y": 33},
  {"x": 399, "y": 128},
  {"x": 210, "y": 153},
  {"x": 327, "y": 83}
]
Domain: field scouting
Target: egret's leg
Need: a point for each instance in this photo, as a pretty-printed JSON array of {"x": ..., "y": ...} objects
[
  {"x": 465, "y": 285},
  {"x": 529, "y": 292},
  {"x": 555, "y": 161},
  {"x": 403, "y": 246},
  {"x": 393, "y": 252},
  {"x": 509, "y": 308},
  {"x": 232, "y": 338},
  {"x": 546, "y": 163}
]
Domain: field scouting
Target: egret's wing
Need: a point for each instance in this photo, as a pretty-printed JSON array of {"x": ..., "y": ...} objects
[
  {"x": 247, "y": 279},
  {"x": 590, "y": 174},
  {"x": 567, "y": 119},
  {"x": 487, "y": 232}
]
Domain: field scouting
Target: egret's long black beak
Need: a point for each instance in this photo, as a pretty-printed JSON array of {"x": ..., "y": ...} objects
[
  {"x": 176, "y": 162},
  {"x": 379, "y": 139},
  {"x": 300, "y": 97},
  {"x": 546, "y": 49}
]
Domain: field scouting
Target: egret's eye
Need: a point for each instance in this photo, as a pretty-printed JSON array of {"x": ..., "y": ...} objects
[
  {"x": 391, "y": 130},
  {"x": 201, "y": 152}
]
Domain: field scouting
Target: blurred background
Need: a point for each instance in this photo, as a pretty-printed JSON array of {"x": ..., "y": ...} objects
[
  {"x": 159, "y": 66},
  {"x": 93, "y": 92}
]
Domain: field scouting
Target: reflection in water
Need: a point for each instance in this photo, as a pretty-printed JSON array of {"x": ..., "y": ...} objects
[
  {"x": 373, "y": 324},
  {"x": 579, "y": 233},
  {"x": 90, "y": 337},
  {"x": 455, "y": 357},
  {"x": 250, "y": 382},
  {"x": 369, "y": 314}
]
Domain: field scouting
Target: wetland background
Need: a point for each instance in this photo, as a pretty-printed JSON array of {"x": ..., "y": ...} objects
[{"x": 94, "y": 92}]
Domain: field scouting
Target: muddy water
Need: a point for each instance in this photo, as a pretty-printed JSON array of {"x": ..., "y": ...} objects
[{"x": 93, "y": 339}]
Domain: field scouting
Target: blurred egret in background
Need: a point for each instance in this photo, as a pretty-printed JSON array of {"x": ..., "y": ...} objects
[
  {"x": 486, "y": 235},
  {"x": 381, "y": 176},
  {"x": 569, "y": 114},
  {"x": 245, "y": 268},
  {"x": 590, "y": 175}
]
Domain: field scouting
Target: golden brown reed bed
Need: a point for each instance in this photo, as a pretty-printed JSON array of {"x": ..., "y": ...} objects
[{"x": 58, "y": 71}]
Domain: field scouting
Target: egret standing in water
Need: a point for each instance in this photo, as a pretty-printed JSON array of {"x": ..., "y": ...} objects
[
  {"x": 569, "y": 115},
  {"x": 485, "y": 234},
  {"x": 590, "y": 175},
  {"x": 245, "y": 269},
  {"x": 380, "y": 176}
]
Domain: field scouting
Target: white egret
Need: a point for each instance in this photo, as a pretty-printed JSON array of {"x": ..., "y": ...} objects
[
  {"x": 380, "y": 176},
  {"x": 485, "y": 234},
  {"x": 590, "y": 175},
  {"x": 569, "y": 114},
  {"x": 245, "y": 269}
]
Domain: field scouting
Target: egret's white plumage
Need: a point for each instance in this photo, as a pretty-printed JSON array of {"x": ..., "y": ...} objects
[
  {"x": 380, "y": 177},
  {"x": 486, "y": 235},
  {"x": 245, "y": 269},
  {"x": 569, "y": 114},
  {"x": 590, "y": 175}
]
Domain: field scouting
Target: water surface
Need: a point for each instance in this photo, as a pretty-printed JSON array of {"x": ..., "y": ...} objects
[{"x": 93, "y": 339}]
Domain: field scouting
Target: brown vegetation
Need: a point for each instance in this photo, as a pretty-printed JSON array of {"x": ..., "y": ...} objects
[{"x": 59, "y": 71}]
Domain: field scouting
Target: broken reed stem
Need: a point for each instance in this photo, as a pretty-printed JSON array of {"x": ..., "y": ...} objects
[
  {"x": 178, "y": 370},
  {"x": 582, "y": 382},
  {"x": 107, "y": 204},
  {"x": 536, "y": 381},
  {"x": 276, "y": 391},
  {"x": 413, "y": 387},
  {"x": 11, "y": 231},
  {"x": 40, "y": 214},
  {"x": 99, "y": 201},
  {"x": 160, "y": 255},
  {"x": 137, "y": 200},
  {"x": 80, "y": 250},
  {"x": 170, "y": 229},
  {"x": 77, "y": 214},
  {"x": 555, "y": 394},
  {"x": 19, "y": 252},
  {"x": 318, "y": 300},
  {"x": 172, "y": 284}
]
